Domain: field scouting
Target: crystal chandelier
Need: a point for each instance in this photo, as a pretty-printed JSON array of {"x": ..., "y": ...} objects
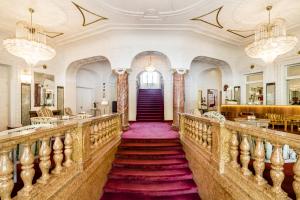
[
  {"x": 271, "y": 40},
  {"x": 30, "y": 43},
  {"x": 150, "y": 67}
]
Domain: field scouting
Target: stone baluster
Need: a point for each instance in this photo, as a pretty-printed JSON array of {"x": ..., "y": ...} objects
[
  {"x": 296, "y": 183},
  {"x": 68, "y": 149},
  {"x": 107, "y": 130},
  {"x": 6, "y": 174},
  {"x": 259, "y": 162},
  {"x": 193, "y": 130},
  {"x": 245, "y": 155},
  {"x": 45, "y": 162},
  {"x": 234, "y": 149},
  {"x": 200, "y": 133},
  {"x": 204, "y": 135},
  {"x": 100, "y": 127},
  {"x": 58, "y": 155},
  {"x": 92, "y": 136},
  {"x": 27, "y": 173},
  {"x": 276, "y": 172},
  {"x": 197, "y": 131},
  {"x": 209, "y": 137},
  {"x": 96, "y": 131}
]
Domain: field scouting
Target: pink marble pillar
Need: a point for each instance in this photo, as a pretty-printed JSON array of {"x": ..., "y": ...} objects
[
  {"x": 122, "y": 97},
  {"x": 178, "y": 97}
]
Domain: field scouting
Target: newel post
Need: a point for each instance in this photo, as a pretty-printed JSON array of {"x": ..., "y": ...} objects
[{"x": 220, "y": 145}]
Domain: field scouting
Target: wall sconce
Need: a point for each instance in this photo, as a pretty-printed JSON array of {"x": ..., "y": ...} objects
[
  {"x": 26, "y": 77},
  {"x": 181, "y": 71},
  {"x": 120, "y": 71}
]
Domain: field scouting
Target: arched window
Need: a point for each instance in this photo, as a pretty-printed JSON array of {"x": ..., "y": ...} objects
[{"x": 150, "y": 80}]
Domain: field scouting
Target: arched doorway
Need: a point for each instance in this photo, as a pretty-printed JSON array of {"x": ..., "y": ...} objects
[
  {"x": 204, "y": 83},
  {"x": 142, "y": 79},
  {"x": 90, "y": 86}
]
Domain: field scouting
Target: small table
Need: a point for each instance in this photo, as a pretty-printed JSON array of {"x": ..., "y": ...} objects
[{"x": 263, "y": 123}]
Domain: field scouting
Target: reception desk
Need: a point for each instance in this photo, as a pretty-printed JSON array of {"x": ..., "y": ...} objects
[{"x": 235, "y": 111}]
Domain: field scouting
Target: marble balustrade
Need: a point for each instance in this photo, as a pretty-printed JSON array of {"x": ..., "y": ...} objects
[
  {"x": 231, "y": 148},
  {"x": 59, "y": 152}
]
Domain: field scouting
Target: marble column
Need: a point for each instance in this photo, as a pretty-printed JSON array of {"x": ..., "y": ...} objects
[
  {"x": 178, "y": 97},
  {"x": 122, "y": 97}
]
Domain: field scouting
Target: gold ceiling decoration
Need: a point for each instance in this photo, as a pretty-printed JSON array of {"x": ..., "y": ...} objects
[
  {"x": 53, "y": 34},
  {"x": 216, "y": 23},
  {"x": 84, "y": 10},
  {"x": 243, "y": 34}
]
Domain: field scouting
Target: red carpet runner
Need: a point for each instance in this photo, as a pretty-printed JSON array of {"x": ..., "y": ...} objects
[
  {"x": 150, "y": 105},
  {"x": 150, "y": 167}
]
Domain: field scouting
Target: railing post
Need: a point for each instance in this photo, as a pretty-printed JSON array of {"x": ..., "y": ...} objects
[
  {"x": 234, "y": 149},
  {"x": 68, "y": 149},
  {"x": 209, "y": 137},
  {"x": 45, "y": 162},
  {"x": 276, "y": 172},
  {"x": 259, "y": 163},
  {"x": 245, "y": 155},
  {"x": 27, "y": 172},
  {"x": 58, "y": 155},
  {"x": 6, "y": 174},
  {"x": 296, "y": 183},
  {"x": 204, "y": 134}
]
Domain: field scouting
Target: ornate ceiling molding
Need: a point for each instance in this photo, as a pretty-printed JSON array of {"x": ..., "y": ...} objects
[
  {"x": 53, "y": 34},
  {"x": 243, "y": 34},
  {"x": 216, "y": 12},
  {"x": 84, "y": 10}
]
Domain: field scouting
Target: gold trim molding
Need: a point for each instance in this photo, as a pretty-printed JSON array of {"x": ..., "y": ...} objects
[
  {"x": 81, "y": 10},
  {"x": 218, "y": 25},
  {"x": 53, "y": 34},
  {"x": 240, "y": 33}
]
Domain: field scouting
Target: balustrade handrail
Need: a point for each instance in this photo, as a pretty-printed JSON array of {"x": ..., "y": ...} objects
[{"x": 72, "y": 142}]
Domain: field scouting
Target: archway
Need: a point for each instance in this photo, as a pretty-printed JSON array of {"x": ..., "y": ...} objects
[
  {"x": 162, "y": 72},
  {"x": 90, "y": 84},
  {"x": 206, "y": 75}
]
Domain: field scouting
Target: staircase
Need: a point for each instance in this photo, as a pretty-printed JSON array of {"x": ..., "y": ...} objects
[
  {"x": 150, "y": 169},
  {"x": 150, "y": 105}
]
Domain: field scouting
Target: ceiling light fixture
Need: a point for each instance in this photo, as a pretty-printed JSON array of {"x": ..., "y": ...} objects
[
  {"x": 271, "y": 40},
  {"x": 30, "y": 43},
  {"x": 150, "y": 67}
]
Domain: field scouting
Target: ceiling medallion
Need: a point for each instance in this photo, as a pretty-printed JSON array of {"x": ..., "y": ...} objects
[
  {"x": 83, "y": 10},
  {"x": 150, "y": 67},
  {"x": 271, "y": 40},
  {"x": 243, "y": 34},
  {"x": 30, "y": 43},
  {"x": 216, "y": 23}
]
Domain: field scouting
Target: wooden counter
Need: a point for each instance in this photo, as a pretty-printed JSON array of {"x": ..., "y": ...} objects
[{"x": 234, "y": 111}]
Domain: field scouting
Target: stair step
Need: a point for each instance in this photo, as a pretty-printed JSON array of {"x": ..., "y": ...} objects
[
  {"x": 146, "y": 162},
  {"x": 130, "y": 196},
  {"x": 152, "y": 189},
  {"x": 150, "y": 144},
  {"x": 150, "y": 154}
]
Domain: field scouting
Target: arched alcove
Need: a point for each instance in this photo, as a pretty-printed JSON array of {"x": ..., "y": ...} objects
[
  {"x": 162, "y": 65},
  {"x": 89, "y": 81},
  {"x": 205, "y": 73}
]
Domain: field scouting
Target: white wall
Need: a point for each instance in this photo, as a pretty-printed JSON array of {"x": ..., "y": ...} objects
[
  {"x": 202, "y": 76},
  {"x": 5, "y": 96}
]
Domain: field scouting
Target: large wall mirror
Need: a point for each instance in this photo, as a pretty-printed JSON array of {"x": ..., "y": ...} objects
[
  {"x": 44, "y": 87},
  {"x": 270, "y": 91}
]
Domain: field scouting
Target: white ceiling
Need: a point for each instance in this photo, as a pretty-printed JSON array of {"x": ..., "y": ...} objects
[{"x": 63, "y": 16}]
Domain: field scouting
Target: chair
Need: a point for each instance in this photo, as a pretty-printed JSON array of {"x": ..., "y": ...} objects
[
  {"x": 275, "y": 119},
  {"x": 68, "y": 111},
  {"x": 45, "y": 112}
]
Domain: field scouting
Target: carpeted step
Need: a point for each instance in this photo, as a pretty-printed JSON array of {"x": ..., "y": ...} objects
[
  {"x": 175, "y": 139},
  {"x": 151, "y": 164},
  {"x": 150, "y": 154},
  {"x": 152, "y": 189},
  {"x": 151, "y": 176},
  {"x": 129, "y": 196},
  {"x": 148, "y": 146}
]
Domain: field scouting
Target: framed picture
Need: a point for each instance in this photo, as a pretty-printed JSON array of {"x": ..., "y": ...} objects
[
  {"x": 212, "y": 100},
  {"x": 270, "y": 91}
]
